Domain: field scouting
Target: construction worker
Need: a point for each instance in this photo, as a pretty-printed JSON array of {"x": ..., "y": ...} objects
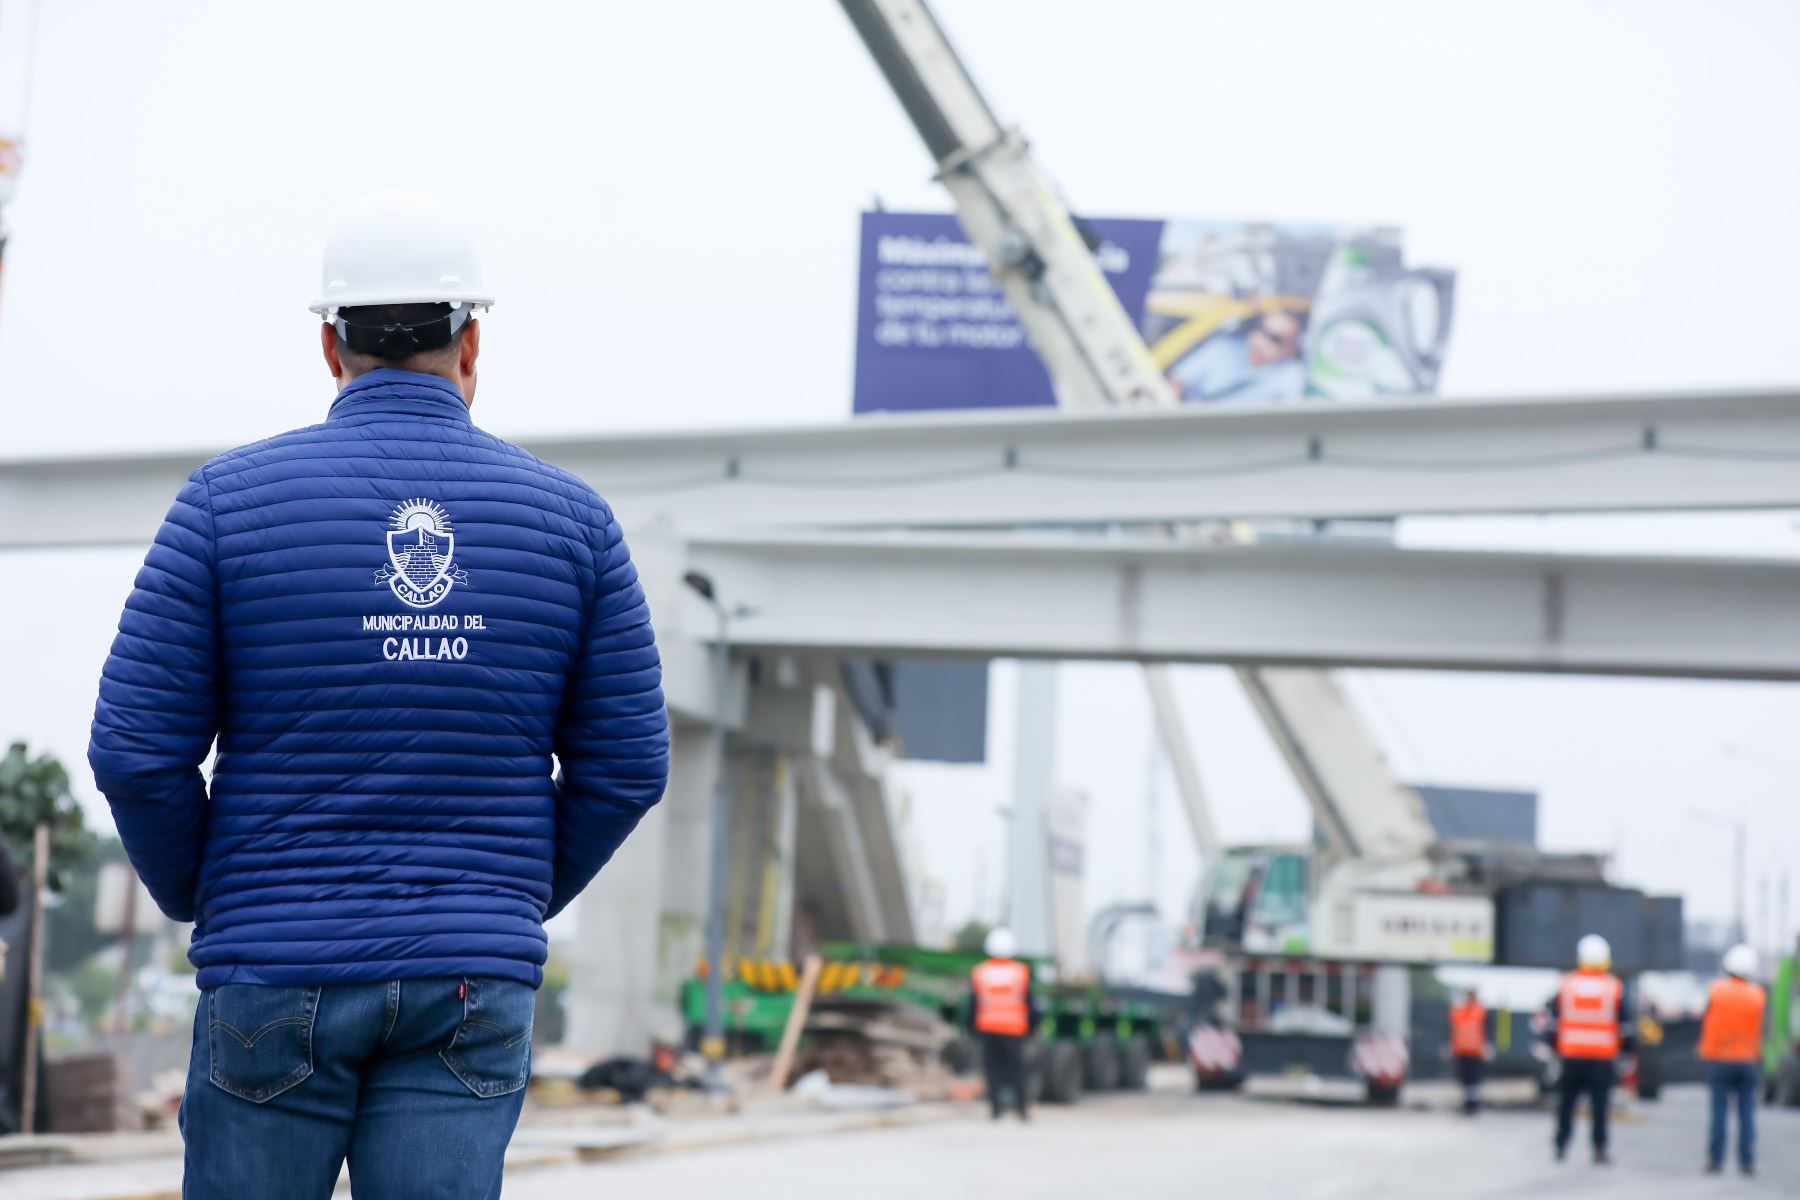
[
  {"x": 1468, "y": 1046},
  {"x": 390, "y": 622},
  {"x": 1731, "y": 1046},
  {"x": 1589, "y": 1018},
  {"x": 1003, "y": 1015}
]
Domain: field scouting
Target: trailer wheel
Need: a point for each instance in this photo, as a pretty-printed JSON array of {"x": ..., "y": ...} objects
[
  {"x": 1100, "y": 1064},
  {"x": 1037, "y": 1070},
  {"x": 1062, "y": 1073},
  {"x": 1134, "y": 1065},
  {"x": 1789, "y": 1082},
  {"x": 1382, "y": 1095},
  {"x": 1229, "y": 1082}
]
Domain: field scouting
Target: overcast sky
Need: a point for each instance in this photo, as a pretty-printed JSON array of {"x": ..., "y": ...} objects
[{"x": 667, "y": 197}]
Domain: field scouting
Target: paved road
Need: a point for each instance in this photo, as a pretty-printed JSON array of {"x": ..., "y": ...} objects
[{"x": 1184, "y": 1145}]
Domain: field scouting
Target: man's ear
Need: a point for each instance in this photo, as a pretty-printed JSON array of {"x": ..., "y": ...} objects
[
  {"x": 469, "y": 350},
  {"x": 328, "y": 340}
]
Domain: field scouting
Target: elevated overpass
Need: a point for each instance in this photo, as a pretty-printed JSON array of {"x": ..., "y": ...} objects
[
  {"x": 1062, "y": 596},
  {"x": 1014, "y": 533},
  {"x": 1020, "y": 467}
]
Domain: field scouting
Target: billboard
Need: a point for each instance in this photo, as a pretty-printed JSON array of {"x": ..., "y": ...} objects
[{"x": 1231, "y": 310}]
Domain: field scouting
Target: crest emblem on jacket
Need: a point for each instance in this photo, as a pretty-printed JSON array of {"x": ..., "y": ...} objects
[{"x": 421, "y": 547}]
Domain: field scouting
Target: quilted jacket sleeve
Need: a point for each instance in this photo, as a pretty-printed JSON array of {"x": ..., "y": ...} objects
[
  {"x": 158, "y": 709},
  {"x": 612, "y": 735}
]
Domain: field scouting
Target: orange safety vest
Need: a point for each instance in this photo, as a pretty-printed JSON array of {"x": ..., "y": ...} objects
[
  {"x": 1468, "y": 1030},
  {"x": 1002, "y": 997},
  {"x": 1732, "y": 1031},
  {"x": 1587, "y": 1015}
]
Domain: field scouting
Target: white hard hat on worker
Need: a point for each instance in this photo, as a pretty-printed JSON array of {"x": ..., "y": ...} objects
[
  {"x": 1740, "y": 960},
  {"x": 1593, "y": 953},
  {"x": 400, "y": 248},
  {"x": 1001, "y": 943},
  {"x": 400, "y": 285}
]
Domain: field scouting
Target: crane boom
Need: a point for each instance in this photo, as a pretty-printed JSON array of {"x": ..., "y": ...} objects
[
  {"x": 1096, "y": 357},
  {"x": 1362, "y": 810}
]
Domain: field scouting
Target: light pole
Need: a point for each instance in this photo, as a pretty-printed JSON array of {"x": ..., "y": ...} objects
[
  {"x": 712, "y": 1042},
  {"x": 1739, "y": 929},
  {"x": 1781, "y": 767}
]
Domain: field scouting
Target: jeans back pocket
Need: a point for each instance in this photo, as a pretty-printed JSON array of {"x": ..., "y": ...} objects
[
  {"x": 260, "y": 1037},
  {"x": 491, "y": 1048}
]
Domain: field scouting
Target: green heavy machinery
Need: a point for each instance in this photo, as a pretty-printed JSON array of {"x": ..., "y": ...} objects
[
  {"x": 1781, "y": 1039},
  {"x": 1092, "y": 1037}
]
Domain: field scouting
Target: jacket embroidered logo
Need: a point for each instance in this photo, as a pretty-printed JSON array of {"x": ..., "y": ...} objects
[{"x": 420, "y": 546}]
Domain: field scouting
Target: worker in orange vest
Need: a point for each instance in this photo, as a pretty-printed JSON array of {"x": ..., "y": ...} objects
[
  {"x": 1591, "y": 1020},
  {"x": 1003, "y": 1015},
  {"x": 1468, "y": 1046},
  {"x": 1731, "y": 1046}
]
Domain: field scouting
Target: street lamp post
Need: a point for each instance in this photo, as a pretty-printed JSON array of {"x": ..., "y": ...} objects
[
  {"x": 712, "y": 1043},
  {"x": 1739, "y": 927}
]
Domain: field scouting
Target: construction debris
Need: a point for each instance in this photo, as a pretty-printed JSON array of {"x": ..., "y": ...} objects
[
  {"x": 817, "y": 1088},
  {"x": 875, "y": 1043}
]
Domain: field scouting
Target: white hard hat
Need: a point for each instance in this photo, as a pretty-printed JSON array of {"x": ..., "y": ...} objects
[
  {"x": 1001, "y": 943},
  {"x": 400, "y": 248},
  {"x": 1740, "y": 960},
  {"x": 1593, "y": 951}
]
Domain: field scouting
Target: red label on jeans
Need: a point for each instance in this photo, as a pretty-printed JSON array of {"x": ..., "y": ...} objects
[{"x": 462, "y": 990}]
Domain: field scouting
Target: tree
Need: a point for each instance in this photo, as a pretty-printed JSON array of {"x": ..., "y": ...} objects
[{"x": 35, "y": 791}]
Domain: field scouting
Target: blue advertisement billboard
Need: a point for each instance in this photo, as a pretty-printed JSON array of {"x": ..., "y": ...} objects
[{"x": 1231, "y": 311}]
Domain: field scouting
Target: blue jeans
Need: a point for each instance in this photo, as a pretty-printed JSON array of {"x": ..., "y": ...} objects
[
  {"x": 417, "y": 1083},
  {"x": 1740, "y": 1081}
]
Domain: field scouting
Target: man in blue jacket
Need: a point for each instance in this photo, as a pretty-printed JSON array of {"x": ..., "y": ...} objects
[{"x": 390, "y": 622}]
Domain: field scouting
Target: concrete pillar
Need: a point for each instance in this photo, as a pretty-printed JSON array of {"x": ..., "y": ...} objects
[
  {"x": 835, "y": 872},
  {"x": 752, "y": 770},
  {"x": 611, "y": 1002},
  {"x": 777, "y": 927},
  {"x": 763, "y": 856},
  {"x": 808, "y": 816},
  {"x": 1034, "y": 773},
  {"x": 687, "y": 846},
  {"x": 640, "y": 923}
]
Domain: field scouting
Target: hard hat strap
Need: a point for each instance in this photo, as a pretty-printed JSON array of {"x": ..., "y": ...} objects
[{"x": 401, "y": 339}]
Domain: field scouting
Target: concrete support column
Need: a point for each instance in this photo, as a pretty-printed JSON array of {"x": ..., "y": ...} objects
[
  {"x": 763, "y": 856},
  {"x": 640, "y": 923},
  {"x": 611, "y": 1002},
  {"x": 776, "y": 928},
  {"x": 687, "y": 847},
  {"x": 753, "y": 769},
  {"x": 1034, "y": 774},
  {"x": 809, "y": 821}
]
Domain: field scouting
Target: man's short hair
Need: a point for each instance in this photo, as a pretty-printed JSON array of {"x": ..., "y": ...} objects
[{"x": 395, "y": 332}]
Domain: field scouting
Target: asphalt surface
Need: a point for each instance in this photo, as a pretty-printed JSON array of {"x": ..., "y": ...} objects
[{"x": 1181, "y": 1144}]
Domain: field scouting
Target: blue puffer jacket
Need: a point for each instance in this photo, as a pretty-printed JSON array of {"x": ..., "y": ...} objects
[{"x": 390, "y": 622}]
